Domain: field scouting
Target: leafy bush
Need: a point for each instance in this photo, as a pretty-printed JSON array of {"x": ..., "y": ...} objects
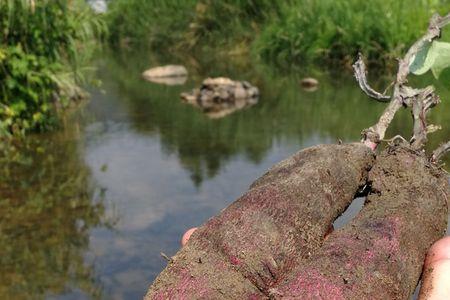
[{"x": 43, "y": 46}]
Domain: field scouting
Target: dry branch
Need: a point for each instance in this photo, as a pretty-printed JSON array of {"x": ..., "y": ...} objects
[
  {"x": 440, "y": 152},
  {"x": 402, "y": 95},
  {"x": 421, "y": 104},
  {"x": 361, "y": 75}
]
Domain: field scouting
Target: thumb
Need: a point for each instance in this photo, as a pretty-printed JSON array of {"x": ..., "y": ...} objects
[{"x": 436, "y": 272}]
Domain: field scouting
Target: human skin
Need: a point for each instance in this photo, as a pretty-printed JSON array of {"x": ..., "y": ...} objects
[{"x": 436, "y": 272}]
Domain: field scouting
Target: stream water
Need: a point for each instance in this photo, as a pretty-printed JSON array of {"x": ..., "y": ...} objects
[{"x": 87, "y": 210}]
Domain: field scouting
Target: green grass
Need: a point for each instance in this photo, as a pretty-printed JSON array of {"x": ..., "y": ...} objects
[
  {"x": 44, "y": 47},
  {"x": 281, "y": 32},
  {"x": 149, "y": 23},
  {"x": 334, "y": 31},
  {"x": 187, "y": 24}
]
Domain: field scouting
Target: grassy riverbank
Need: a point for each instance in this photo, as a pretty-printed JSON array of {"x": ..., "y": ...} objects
[
  {"x": 293, "y": 31},
  {"x": 44, "y": 47}
]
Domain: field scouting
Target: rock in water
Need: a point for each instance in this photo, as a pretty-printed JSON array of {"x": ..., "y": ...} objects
[
  {"x": 309, "y": 84},
  {"x": 165, "y": 71},
  {"x": 218, "y": 97}
]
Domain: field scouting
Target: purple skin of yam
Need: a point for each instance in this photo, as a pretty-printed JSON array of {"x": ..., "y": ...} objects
[
  {"x": 268, "y": 231},
  {"x": 380, "y": 254}
]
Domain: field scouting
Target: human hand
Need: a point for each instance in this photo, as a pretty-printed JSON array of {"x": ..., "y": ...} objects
[{"x": 436, "y": 272}]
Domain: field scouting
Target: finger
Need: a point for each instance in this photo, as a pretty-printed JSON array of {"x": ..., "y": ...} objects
[
  {"x": 436, "y": 272},
  {"x": 187, "y": 235}
]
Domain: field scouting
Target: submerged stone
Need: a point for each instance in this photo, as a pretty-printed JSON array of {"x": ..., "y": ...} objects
[
  {"x": 219, "y": 97},
  {"x": 309, "y": 84}
]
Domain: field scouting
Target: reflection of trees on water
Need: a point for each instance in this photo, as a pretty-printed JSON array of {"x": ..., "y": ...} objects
[
  {"x": 47, "y": 208},
  {"x": 337, "y": 110}
]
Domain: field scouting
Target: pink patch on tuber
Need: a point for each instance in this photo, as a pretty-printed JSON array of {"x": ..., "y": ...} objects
[
  {"x": 254, "y": 297},
  {"x": 314, "y": 285},
  {"x": 234, "y": 260},
  {"x": 370, "y": 144}
]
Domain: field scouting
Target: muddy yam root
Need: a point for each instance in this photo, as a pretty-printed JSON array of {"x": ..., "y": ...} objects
[
  {"x": 274, "y": 226},
  {"x": 380, "y": 254}
]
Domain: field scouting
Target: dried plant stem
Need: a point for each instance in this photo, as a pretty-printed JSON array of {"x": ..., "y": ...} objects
[
  {"x": 361, "y": 75},
  {"x": 404, "y": 95},
  {"x": 440, "y": 152},
  {"x": 422, "y": 103}
]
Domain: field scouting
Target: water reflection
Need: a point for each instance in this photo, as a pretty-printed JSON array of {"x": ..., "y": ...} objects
[
  {"x": 179, "y": 80},
  {"x": 48, "y": 208},
  {"x": 338, "y": 110}
]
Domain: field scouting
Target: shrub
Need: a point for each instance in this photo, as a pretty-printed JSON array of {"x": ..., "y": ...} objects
[{"x": 43, "y": 47}]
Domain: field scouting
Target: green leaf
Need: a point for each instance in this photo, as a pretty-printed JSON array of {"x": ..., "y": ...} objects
[
  {"x": 434, "y": 56},
  {"x": 442, "y": 60},
  {"x": 422, "y": 61}
]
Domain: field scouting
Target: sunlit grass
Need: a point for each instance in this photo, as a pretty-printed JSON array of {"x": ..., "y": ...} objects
[
  {"x": 282, "y": 32},
  {"x": 330, "y": 30}
]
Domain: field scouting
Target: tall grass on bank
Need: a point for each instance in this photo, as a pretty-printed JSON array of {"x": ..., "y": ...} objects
[
  {"x": 285, "y": 32},
  {"x": 335, "y": 30},
  {"x": 149, "y": 23},
  {"x": 43, "y": 47},
  {"x": 187, "y": 24}
]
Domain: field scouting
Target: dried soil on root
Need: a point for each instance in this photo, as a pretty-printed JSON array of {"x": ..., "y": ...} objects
[
  {"x": 277, "y": 224},
  {"x": 380, "y": 254}
]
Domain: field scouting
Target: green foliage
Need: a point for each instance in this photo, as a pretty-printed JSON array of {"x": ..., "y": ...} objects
[
  {"x": 285, "y": 32},
  {"x": 433, "y": 56},
  {"x": 187, "y": 23},
  {"x": 150, "y": 23},
  {"x": 43, "y": 46},
  {"x": 330, "y": 30},
  {"x": 229, "y": 22}
]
